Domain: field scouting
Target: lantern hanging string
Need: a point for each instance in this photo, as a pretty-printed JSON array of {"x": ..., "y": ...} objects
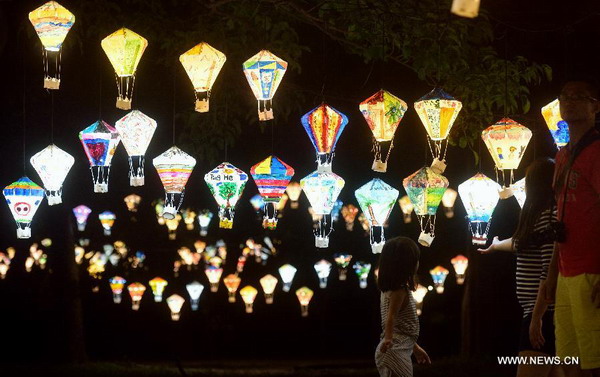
[
  {"x": 24, "y": 116},
  {"x": 174, "y": 102},
  {"x": 99, "y": 90},
  {"x": 506, "y": 74},
  {"x": 52, "y": 117}
]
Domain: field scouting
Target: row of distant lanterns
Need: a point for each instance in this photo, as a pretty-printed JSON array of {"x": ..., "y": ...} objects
[{"x": 506, "y": 141}]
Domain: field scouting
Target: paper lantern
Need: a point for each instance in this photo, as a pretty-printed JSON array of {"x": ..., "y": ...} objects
[
  {"x": 52, "y": 165},
  {"x": 107, "y": 220},
  {"x": 438, "y": 111},
  {"x": 23, "y": 198},
  {"x": 460, "y": 263},
  {"x": 304, "y": 295},
  {"x": 132, "y": 202},
  {"x": 448, "y": 200},
  {"x": 172, "y": 225},
  {"x": 323, "y": 268},
  {"x": 175, "y": 303},
  {"x": 506, "y": 141},
  {"x": 248, "y": 294},
  {"x": 226, "y": 184},
  {"x": 232, "y": 283},
  {"x": 136, "y": 292},
  {"x": 124, "y": 49},
  {"x": 202, "y": 63},
  {"x": 425, "y": 188},
  {"x": 100, "y": 142},
  {"x": 383, "y": 111},
  {"x": 342, "y": 261},
  {"x": 188, "y": 218},
  {"x": 324, "y": 126},
  {"x": 419, "y": 295},
  {"x": 362, "y": 270},
  {"x": 407, "y": 208},
  {"x": 268, "y": 284},
  {"x": 264, "y": 72},
  {"x": 52, "y": 23},
  {"x": 349, "y": 212},
  {"x": 559, "y": 129},
  {"x": 287, "y": 273},
  {"x": 479, "y": 195},
  {"x": 136, "y": 130},
  {"x": 117, "y": 284},
  {"x": 174, "y": 168},
  {"x": 294, "y": 190},
  {"x": 81, "y": 214},
  {"x": 214, "y": 277},
  {"x": 438, "y": 274},
  {"x": 204, "y": 218},
  {"x": 158, "y": 286},
  {"x": 465, "y": 8},
  {"x": 271, "y": 176},
  {"x": 376, "y": 199},
  {"x": 518, "y": 189},
  {"x": 194, "y": 289}
]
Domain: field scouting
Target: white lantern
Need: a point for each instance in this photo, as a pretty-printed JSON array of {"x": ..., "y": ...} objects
[{"x": 52, "y": 165}]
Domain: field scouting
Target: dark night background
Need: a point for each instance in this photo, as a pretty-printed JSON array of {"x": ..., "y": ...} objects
[{"x": 343, "y": 320}]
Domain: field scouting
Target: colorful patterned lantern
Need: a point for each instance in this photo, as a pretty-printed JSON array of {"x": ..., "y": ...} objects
[
  {"x": 214, "y": 277},
  {"x": 518, "y": 189},
  {"x": 124, "y": 49},
  {"x": 438, "y": 274},
  {"x": 479, "y": 195},
  {"x": 136, "y": 292},
  {"x": 202, "y": 63},
  {"x": 248, "y": 294},
  {"x": 232, "y": 283},
  {"x": 175, "y": 303},
  {"x": 323, "y": 269},
  {"x": 376, "y": 199},
  {"x": 324, "y": 126},
  {"x": 506, "y": 140},
  {"x": 383, "y": 111},
  {"x": 264, "y": 72},
  {"x": 407, "y": 208},
  {"x": 465, "y": 8},
  {"x": 425, "y": 188},
  {"x": 204, "y": 219},
  {"x": 117, "y": 284},
  {"x": 460, "y": 263},
  {"x": 136, "y": 130},
  {"x": 132, "y": 202},
  {"x": 174, "y": 168},
  {"x": 287, "y": 272},
  {"x": 419, "y": 295},
  {"x": 100, "y": 141},
  {"x": 448, "y": 200},
  {"x": 438, "y": 111},
  {"x": 52, "y": 23},
  {"x": 349, "y": 212},
  {"x": 52, "y": 165},
  {"x": 81, "y": 213},
  {"x": 23, "y": 198},
  {"x": 107, "y": 220},
  {"x": 226, "y": 184},
  {"x": 194, "y": 289},
  {"x": 559, "y": 129},
  {"x": 304, "y": 295},
  {"x": 268, "y": 284},
  {"x": 158, "y": 286},
  {"x": 342, "y": 261},
  {"x": 322, "y": 190},
  {"x": 294, "y": 190},
  {"x": 362, "y": 270},
  {"x": 271, "y": 176}
]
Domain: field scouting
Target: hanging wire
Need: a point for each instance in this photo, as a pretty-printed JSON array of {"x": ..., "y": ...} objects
[
  {"x": 52, "y": 117},
  {"x": 24, "y": 118},
  {"x": 506, "y": 74},
  {"x": 99, "y": 91},
  {"x": 174, "y": 101}
]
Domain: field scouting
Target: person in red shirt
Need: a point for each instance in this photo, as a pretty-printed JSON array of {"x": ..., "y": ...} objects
[{"x": 574, "y": 278}]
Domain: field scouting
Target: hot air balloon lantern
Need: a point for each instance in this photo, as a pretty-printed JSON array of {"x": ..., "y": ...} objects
[
  {"x": 158, "y": 286},
  {"x": 438, "y": 274},
  {"x": 214, "y": 277},
  {"x": 175, "y": 303},
  {"x": 362, "y": 270},
  {"x": 425, "y": 188},
  {"x": 407, "y": 208},
  {"x": 419, "y": 295},
  {"x": 322, "y": 190},
  {"x": 506, "y": 141},
  {"x": 132, "y": 202},
  {"x": 174, "y": 168},
  {"x": 287, "y": 273},
  {"x": 52, "y": 23},
  {"x": 124, "y": 48},
  {"x": 100, "y": 141},
  {"x": 438, "y": 111},
  {"x": 52, "y": 165},
  {"x": 383, "y": 112},
  {"x": 342, "y": 261},
  {"x": 81, "y": 214},
  {"x": 226, "y": 184},
  {"x": 204, "y": 218},
  {"x": 559, "y": 129},
  {"x": 232, "y": 283},
  {"x": 323, "y": 269},
  {"x": 349, "y": 212},
  {"x": 268, "y": 284},
  {"x": 480, "y": 196},
  {"x": 136, "y": 292},
  {"x": 518, "y": 189},
  {"x": 136, "y": 130},
  {"x": 195, "y": 290},
  {"x": 271, "y": 176},
  {"x": 202, "y": 63},
  {"x": 460, "y": 264},
  {"x": 448, "y": 200},
  {"x": 376, "y": 199},
  {"x": 324, "y": 126},
  {"x": 23, "y": 198},
  {"x": 304, "y": 295},
  {"x": 248, "y": 294},
  {"x": 117, "y": 284},
  {"x": 294, "y": 190},
  {"x": 264, "y": 72}
]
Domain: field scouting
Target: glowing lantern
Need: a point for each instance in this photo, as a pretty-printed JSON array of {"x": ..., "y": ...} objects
[
  {"x": 52, "y": 23},
  {"x": 52, "y": 165},
  {"x": 362, "y": 270},
  {"x": 438, "y": 111},
  {"x": 226, "y": 184},
  {"x": 294, "y": 190},
  {"x": 100, "y": 142},
  {"x": 324, "y": 125},
  {"x": 323, "y": 268},
  {"x": 407, "y": 208},
  {"x": 124, "y": 49},
  {"x": 194, "y": 289},
  {"x": 438, "y": 274},
  {"x": 349, "y": 213},
  {"x": 376, "y": 199},
  {"x": 479, "y": 195},
  {"x": 188, "y": 218},
  {"x": 448, "y": 200},
  {"x": 174, "y": 168},
  {"x": 136, "y": 292},
  {"x": 342, "y": 261},
  {"x": 271, "y": 176},
  {"x": 132, "y": 202},
  {"x": 425, "y": 188},
  {"x": 460, "y": 263},
  {"x": 419, "y": 295},
  {"x": 158, "y": 285},
  {"x": 136, "y": 130},
  {"x": 559, "y": 129},
  {"x": 202, "y": 63},
  {"x": 518, "y": 189},
  {"x": 287, "y": 272},
  {"x": 175, "y": 303},
  {"x": 268, "y": 283},
  {"x": 248, "y": 294},
  {"x": 264, "y": 72},
  {"x": 322, "y": 190},
  {"x": 232, "y": 282},
  {"x": 117, "y": 284},
  {"x": 465, "y": 8},
  {"x": 23, "y": 198},
  {"x": 172, "y": 225},
  {"x": 383, "y": 112},
  {"x": 204, "y": 219},
  {"x": 506, "y": 140},
  {"x": 214, "y": 276},
  {"x": 304, "y": 295},
  {"x": 107, "y": 219}
]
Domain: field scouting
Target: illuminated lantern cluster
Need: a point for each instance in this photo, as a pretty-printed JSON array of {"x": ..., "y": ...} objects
[
  {"x": 383, "y": 112},
  {"x": 480, "y": 196},
  {"x": 304, "y": 295},
  {"x": 117, "y": 284},
  {"x": 438, "y": 274},
  {"x": 226, "y": 184},
  {"x": 324, "y": 126},
  {"x": 264, "y": 72},
  {"x": 107, "y": 220},
  {"x": 376, "y": 200},
  {"x": 342, "y": 261},
  {"x": 407, "y": 208},
  {"x": 81, "y": 214},
  {"x": 460, "y": 263},
  {"x": 559, "y": 129},
  {"x": 287, "y": 273},
  {"x": 174, "y": 168},
  {"x": 52, "y": 165},
  {"x": 362, "y": 270},
  {"x": 23, "y": 198},
  {"x": 136, "y": 130},
  {"x": 100, "y": 141}
]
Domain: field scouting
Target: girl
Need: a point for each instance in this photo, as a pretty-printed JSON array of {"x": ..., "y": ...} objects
[{"x": 397, "y": 266}]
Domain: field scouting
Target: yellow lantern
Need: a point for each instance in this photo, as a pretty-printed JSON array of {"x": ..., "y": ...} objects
[
  {"x": 268, "y": 283},
  {"x": 248, "y": 294},
  {"x": 232, "y": 282},
  {"x": 304, "y": 295},
  {"x": 407, "y": 208},
  {"x": 559, "y": 129},
  {"x": 202, "y": 63},
  {"x": 465, "y": 8},
  {"x": 158, "y": 285},
  {"x": 448, "y": 200},
  {"x": 124, "y": 49}
]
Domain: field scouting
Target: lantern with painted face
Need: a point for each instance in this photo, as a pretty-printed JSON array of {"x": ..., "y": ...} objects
[
  {"x": 23, "y": 198},
  {"x": 264, "y": 72}
]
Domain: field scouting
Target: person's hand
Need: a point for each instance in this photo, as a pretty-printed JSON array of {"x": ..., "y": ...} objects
[
  {"x": 548, "y": 290},
  {"x": 596, "y": 294},
  {"x": 421, "y": 356},
  {"x": 491, "y": 248},
  {"x": 387, "y": 342},
  {"x": 535, "y": 333}
]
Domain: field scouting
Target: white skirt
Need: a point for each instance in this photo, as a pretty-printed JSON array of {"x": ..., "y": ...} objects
[{"x": 396, "y": 361}]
